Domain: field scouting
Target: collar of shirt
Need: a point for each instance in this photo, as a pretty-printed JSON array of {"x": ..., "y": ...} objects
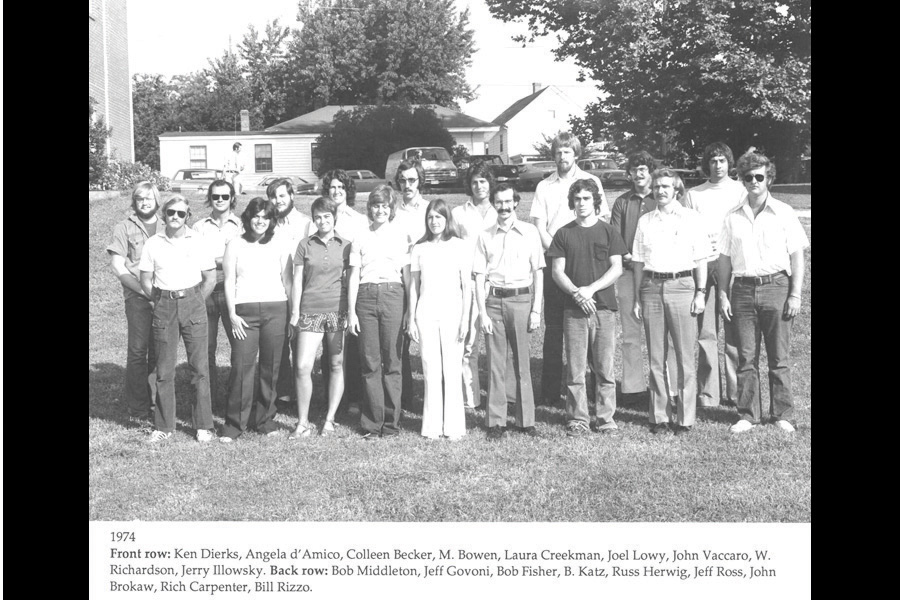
[
  {"x": 188, "y": 233},
  {"x": 137, "y": 221},
  {"x": 514, "y": 225},
  {"x": 771, "y": 204},
  {"x": 231, "y": 218},
  {"x": 576, "y": 173},
  {"x": 416, "y": 204},
  {"x": 337, "y": 237},
  {"x": 633, "y": 195},
  {"x": 677, "y": 210}
]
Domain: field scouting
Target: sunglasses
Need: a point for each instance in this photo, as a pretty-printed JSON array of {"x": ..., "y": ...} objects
[
  {"x": 220, "y": 196},
  {"x": 171, "y": 212},
  {"x": 759, "y": 177}
]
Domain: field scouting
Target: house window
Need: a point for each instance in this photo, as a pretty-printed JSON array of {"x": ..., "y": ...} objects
[
  {"x": 263, "y": 158},
  {"x": 314, "y": 158},
  {"x": 198, "y": 157}
]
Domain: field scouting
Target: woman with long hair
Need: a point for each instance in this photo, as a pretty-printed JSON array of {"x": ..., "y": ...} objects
[
  {"x": 257, "y": 287},
  {"x": 440, "y": 264}
]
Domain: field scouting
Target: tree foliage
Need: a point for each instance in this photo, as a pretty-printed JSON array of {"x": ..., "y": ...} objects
[
  {"x": 364, "y": 137},
  {"x": 677, "y": 74},
  {"x": 99, "y": 134}
]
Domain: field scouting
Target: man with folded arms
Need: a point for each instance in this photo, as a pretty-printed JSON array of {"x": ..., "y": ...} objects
[
  {"x": 587, "y": 260},
  {"x": 670, "y": 251},
  {"x": 762, "y": 246},
  {"x": 509, "y": 257},
  {"x": 178, "y": 272}
]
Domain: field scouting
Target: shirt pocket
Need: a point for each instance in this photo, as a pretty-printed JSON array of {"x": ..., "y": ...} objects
[
  {"x": 135, "y": 246},
  {"x": 601, "y": 252}
]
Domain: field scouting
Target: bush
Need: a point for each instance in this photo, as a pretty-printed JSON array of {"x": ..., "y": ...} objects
[{"x": 122, "y": 175}]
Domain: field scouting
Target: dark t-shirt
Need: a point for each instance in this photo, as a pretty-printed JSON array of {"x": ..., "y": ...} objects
[{"x": 587, "y": 251}]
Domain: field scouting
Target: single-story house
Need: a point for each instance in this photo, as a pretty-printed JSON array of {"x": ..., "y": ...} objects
[{"x": 289, "y": 147}]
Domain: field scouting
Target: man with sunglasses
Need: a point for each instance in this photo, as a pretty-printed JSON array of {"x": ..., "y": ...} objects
[
  {"x": 762, "y": 245},
  {"x": 714, "y": 200},
  {"x": 219, "y": 228},
  {"x": 178, "y": 272}
]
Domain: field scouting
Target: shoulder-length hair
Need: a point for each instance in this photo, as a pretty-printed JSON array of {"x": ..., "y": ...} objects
[
  {"x": 220, "y": 183},
  {"x": 342, "y": 176},
  {"x": 383, "y": 194},
  {"x": 139, "y": 188},
  {"x": 256, "y": 206},
  {"x": 451, "y": 230}
]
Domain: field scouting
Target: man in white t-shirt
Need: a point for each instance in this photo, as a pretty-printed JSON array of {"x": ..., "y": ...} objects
[
  {"x": 234, "y": 168},
  {"x": 550, "y": 211},
  {"x": 714, "y": 200}
]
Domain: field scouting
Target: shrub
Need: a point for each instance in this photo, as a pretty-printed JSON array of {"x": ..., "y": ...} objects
[{"x": 122, "y": 175}]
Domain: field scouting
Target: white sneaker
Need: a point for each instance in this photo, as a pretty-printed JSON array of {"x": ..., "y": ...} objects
[
  {"x": 159, "y": 436},
  {"x": 204, "y": 435},
  {"x": 742, "y": 426},
  {"x": 785, "y": 426},
  {"x": 225, "y": 439}
]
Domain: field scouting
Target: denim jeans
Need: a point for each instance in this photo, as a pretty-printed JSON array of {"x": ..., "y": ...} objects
[
  {"x": 251, "y": 399},
  {"x": 667, "y": 312},
  {"x": 509, "y": 318},
  {"x": 596, "y": 334},
  {"x": 379, "y": 307},
  {"x": 709, "y": 367},
  {"x": 216, "y": 310},
  {"x": 758, "y": 311},
  {"x": 140, "y": 387},
  {"x": 184, "y": 318},
  {"x": 551, "y": 374}
]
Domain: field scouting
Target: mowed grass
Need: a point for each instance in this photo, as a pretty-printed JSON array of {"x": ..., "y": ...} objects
[{"x": 709, "y": 475}]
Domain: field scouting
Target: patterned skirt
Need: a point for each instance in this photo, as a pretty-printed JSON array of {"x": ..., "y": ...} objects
[{"x": 323, "y": 322}]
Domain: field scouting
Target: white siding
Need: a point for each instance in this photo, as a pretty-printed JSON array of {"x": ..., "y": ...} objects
[{"x": 546, "y": 115}]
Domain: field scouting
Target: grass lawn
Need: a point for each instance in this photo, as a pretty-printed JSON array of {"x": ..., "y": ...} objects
[{"x": 709, "y": 475}]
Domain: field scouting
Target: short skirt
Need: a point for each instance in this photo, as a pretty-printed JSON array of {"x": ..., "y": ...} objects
[{"x": 323, "y": 322}]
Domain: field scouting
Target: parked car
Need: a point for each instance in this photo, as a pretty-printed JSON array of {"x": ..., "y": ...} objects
[
  {"x": 439, "y": 168},
  {"x": 194, "y": 181},
  {"x": 300, "y": 185},
  {"x": 615, "y": 179},
  {"x": 500, "y": 171},
  {"x": 366, "y": 181},
  {"x": 691, "y": 177},
  {"x": 598, "y": 166},
  {"x": 530, "y": 174}
]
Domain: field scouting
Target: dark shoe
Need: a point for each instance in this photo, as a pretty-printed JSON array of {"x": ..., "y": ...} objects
[
  {"x": 577, "y": 429},
  {"x": 659, "y": 428},
  {"x": 496, "y": 432},
  {"x": 682, "y": 430},
  {"x": 530, "y": 431}
]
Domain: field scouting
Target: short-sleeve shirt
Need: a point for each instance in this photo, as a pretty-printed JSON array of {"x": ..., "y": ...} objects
[
  {"x": 762, "y": 245},
  {"x": 380, "y": 254},
  {"x": 177, "y": 263},
  {"x": 324, "y": 288},
  {"x": 551, "y": 200},
  {"x": 587, "y": 251},
  {"x": 218, "y": 237},
  {"x": 671, "y": 243},
  {"x": 291, "y": 229},
  {"x": 350, "y": 223},
  {"x": 508, "y": 257},
  {"x": 714, "y": 201},
  {"x": 128, "y": 239},
  {"x": 412, "y": 219}
]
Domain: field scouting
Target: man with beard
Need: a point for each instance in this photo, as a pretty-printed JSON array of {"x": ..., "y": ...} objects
[
  {"x": 714, "y": 200},
  {"x": 508, "y": 260},
  {"x": 128, "y": 239},
  {"x": 290, "y": 227},
  {"x": 219, "y": 228},
  {"x": 550, "y": 211}
]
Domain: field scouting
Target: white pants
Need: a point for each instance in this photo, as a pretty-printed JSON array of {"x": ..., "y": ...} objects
[{"x": 443, "y": 413}]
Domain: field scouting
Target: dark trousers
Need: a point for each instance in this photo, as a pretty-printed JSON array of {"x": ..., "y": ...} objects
[
  {"x": 551, "y": 377},
  {"x": 140, "y": 387},
  {"x": 251, "y": 400},
  {"x": 509, "y": 319},
  {"x": 758, "y": 312},
  {"x": 216, "y": 310},
  {"x": 709, "y": 367},
  {"x": 184, "y": 318},
  {"x": 379, "y": 307}
]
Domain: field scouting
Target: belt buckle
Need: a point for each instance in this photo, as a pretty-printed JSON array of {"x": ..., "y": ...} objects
[{"x": 174, "y": 295}]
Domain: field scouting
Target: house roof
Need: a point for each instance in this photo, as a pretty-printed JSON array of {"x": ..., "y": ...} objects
[
  {"x": 517, "y": 107},
  {"x": 322, "y": 120},
  {"x": 213, "y": 133}
]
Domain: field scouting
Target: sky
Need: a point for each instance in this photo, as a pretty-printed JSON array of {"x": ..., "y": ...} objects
[{"x": 178, "y": 36}]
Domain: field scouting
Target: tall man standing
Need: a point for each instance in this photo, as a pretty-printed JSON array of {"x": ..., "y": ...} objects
[
  {"x": 219, "y": 228},
  {"x": 509, "y": 258},
  {"x": 587, "y": 260},
  {"x": 714, "y": 200},
  {"x": 125, "y": 248},
  {"x": 234, "y": 168},
  {"x": 670, "y": 251},
  {"x": 762, "y": 246},
  {"x": 550, "y": 211},
  {"x": 178, "y": 272}
]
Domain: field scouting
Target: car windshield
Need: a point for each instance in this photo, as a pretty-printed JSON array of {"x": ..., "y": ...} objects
[{"x": 428, "y": 153}]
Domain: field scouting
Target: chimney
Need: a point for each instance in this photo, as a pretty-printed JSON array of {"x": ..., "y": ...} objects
[
  {"x": 535, "y": 88},
  {"x": 245, "y": 120}
]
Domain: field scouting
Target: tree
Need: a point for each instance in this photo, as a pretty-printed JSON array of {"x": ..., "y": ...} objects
[
  {"x": 364, "y": 137},
  {"x": 682, "y": 73},
  {"x": 381, "y": 51},
  {"x": 99, "y": 134},
  {"x": 152, "y": 106},
  {"x": 265, "y": 62}
]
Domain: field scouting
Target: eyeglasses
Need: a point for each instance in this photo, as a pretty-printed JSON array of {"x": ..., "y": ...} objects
[
  {"x": 171, "y": 212},
  {"x": 220, "y": 196},
  {"x": 759, "y": 177},
  {"x": 409, "y": 181}
]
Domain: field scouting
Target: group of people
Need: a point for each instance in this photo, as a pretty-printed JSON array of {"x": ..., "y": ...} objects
[{"x": 283, "y": 285}]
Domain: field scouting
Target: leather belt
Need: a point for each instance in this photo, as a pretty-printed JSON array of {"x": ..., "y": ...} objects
[
  {"x": 176, "y": 294},
  {"x": 762, "y": 279},
  {"x": 678, "y": 275},
  {"x": 508, "y": 292}
]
